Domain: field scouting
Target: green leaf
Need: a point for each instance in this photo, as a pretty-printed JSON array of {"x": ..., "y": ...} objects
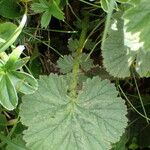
[
  {"x": 13, "y": 80},
  {"x": 56, "y": 11},
  {"x": 10, "y": 9},
  {"x": 86, "y": 64},
  {"x": 73, "y": 44},
  {"x": 23, "y": 82},
  {"x": 39, "y": 7},
  {"x": 18, "y": 144},
  {"x": 8, "y": 94},
  {"x": 105, "y": 4},
  {"x": 89, "y": 44},
  {"x": 121, "y": 49},
  {"x": 48, "y": 9},
  {"x": 13, "y": 57},
  {"x": 92, "y": 121},
  {"x": 12, "y": 37},
  {"x": 6, "y": 29},
  {"x": 20, "y": 63},
  {"x": 46, "y": 18},
  {"x": 13, "y": 144},
  {"x": 3, "y": 122},
  {"x": 138, "y": 17},
  {"x": 66, "y": 63}
]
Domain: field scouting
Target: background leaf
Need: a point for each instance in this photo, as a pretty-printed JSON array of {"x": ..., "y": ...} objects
[
  {"x": 20, "y": 144},
  {"x": 139, "y": 21},
  {"x": 10, "y": 9},
  {"x": 121, "y": 49},
  {"x": 6, "y": 29}
]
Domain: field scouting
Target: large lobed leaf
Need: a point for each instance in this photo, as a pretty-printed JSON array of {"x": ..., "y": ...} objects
[
  {"x": 121, "y": 49},
  {"x": 92, "y": 121}
]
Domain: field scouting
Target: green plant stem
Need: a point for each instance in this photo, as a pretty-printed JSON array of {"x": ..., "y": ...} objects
[
  {"x": 71, "y": 9},
  {"x": 10, "y": 133},
  {"x": 83, "y": 1},
  {"x": 132, "y": 104},
  {"x": 53, "y": 30},
  {"x": 75, "y": 71},
  {"x": 140, "y": 98},
  {"x": 43, "y": 43}
]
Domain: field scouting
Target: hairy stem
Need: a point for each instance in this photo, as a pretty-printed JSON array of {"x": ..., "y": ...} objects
[{"x": 75, "y": 71}]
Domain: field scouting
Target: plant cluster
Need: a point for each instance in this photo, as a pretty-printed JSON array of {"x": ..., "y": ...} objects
[{"x": 71, "y": 74}]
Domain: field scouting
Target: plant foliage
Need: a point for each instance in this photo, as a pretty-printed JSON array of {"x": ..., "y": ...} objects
[
  {"x": 87, "y": 55},
  {"x": 94, "y": 120},
  {"x": 10, "y": 9},
  {"x": 48, "y": 9},
  {"x": 12, "y": 80},
  {"x": 66, "y": 63},
  {"x": 140, "y": 25},
  {"x": 123, "y": 49}
]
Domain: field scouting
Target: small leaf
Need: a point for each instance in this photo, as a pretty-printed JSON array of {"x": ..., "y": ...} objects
[
  {"x": 65, "y": 64},
  {"x": 73, "y": 44},
  {"x": 46, "y": 18},
  {"x": 23, "y": 82},
  {"x": 8, "y": 94},
  {"x": 48, "y": 9},
  {"x": 86, "y": 64},
  {"x": 92, "y": 121},
  {"x": 39, "y": 7},
  {"x": 20, "y": 63},
  {"x": 56, "y": 11},
  {"x": 89, "y": 44},
  {"x": 105, "y": 4},
  {"x": 13, "y": 57}
]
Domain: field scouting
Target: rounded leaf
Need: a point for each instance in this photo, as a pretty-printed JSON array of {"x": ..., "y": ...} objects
[{"x": 92, "y": 121}]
